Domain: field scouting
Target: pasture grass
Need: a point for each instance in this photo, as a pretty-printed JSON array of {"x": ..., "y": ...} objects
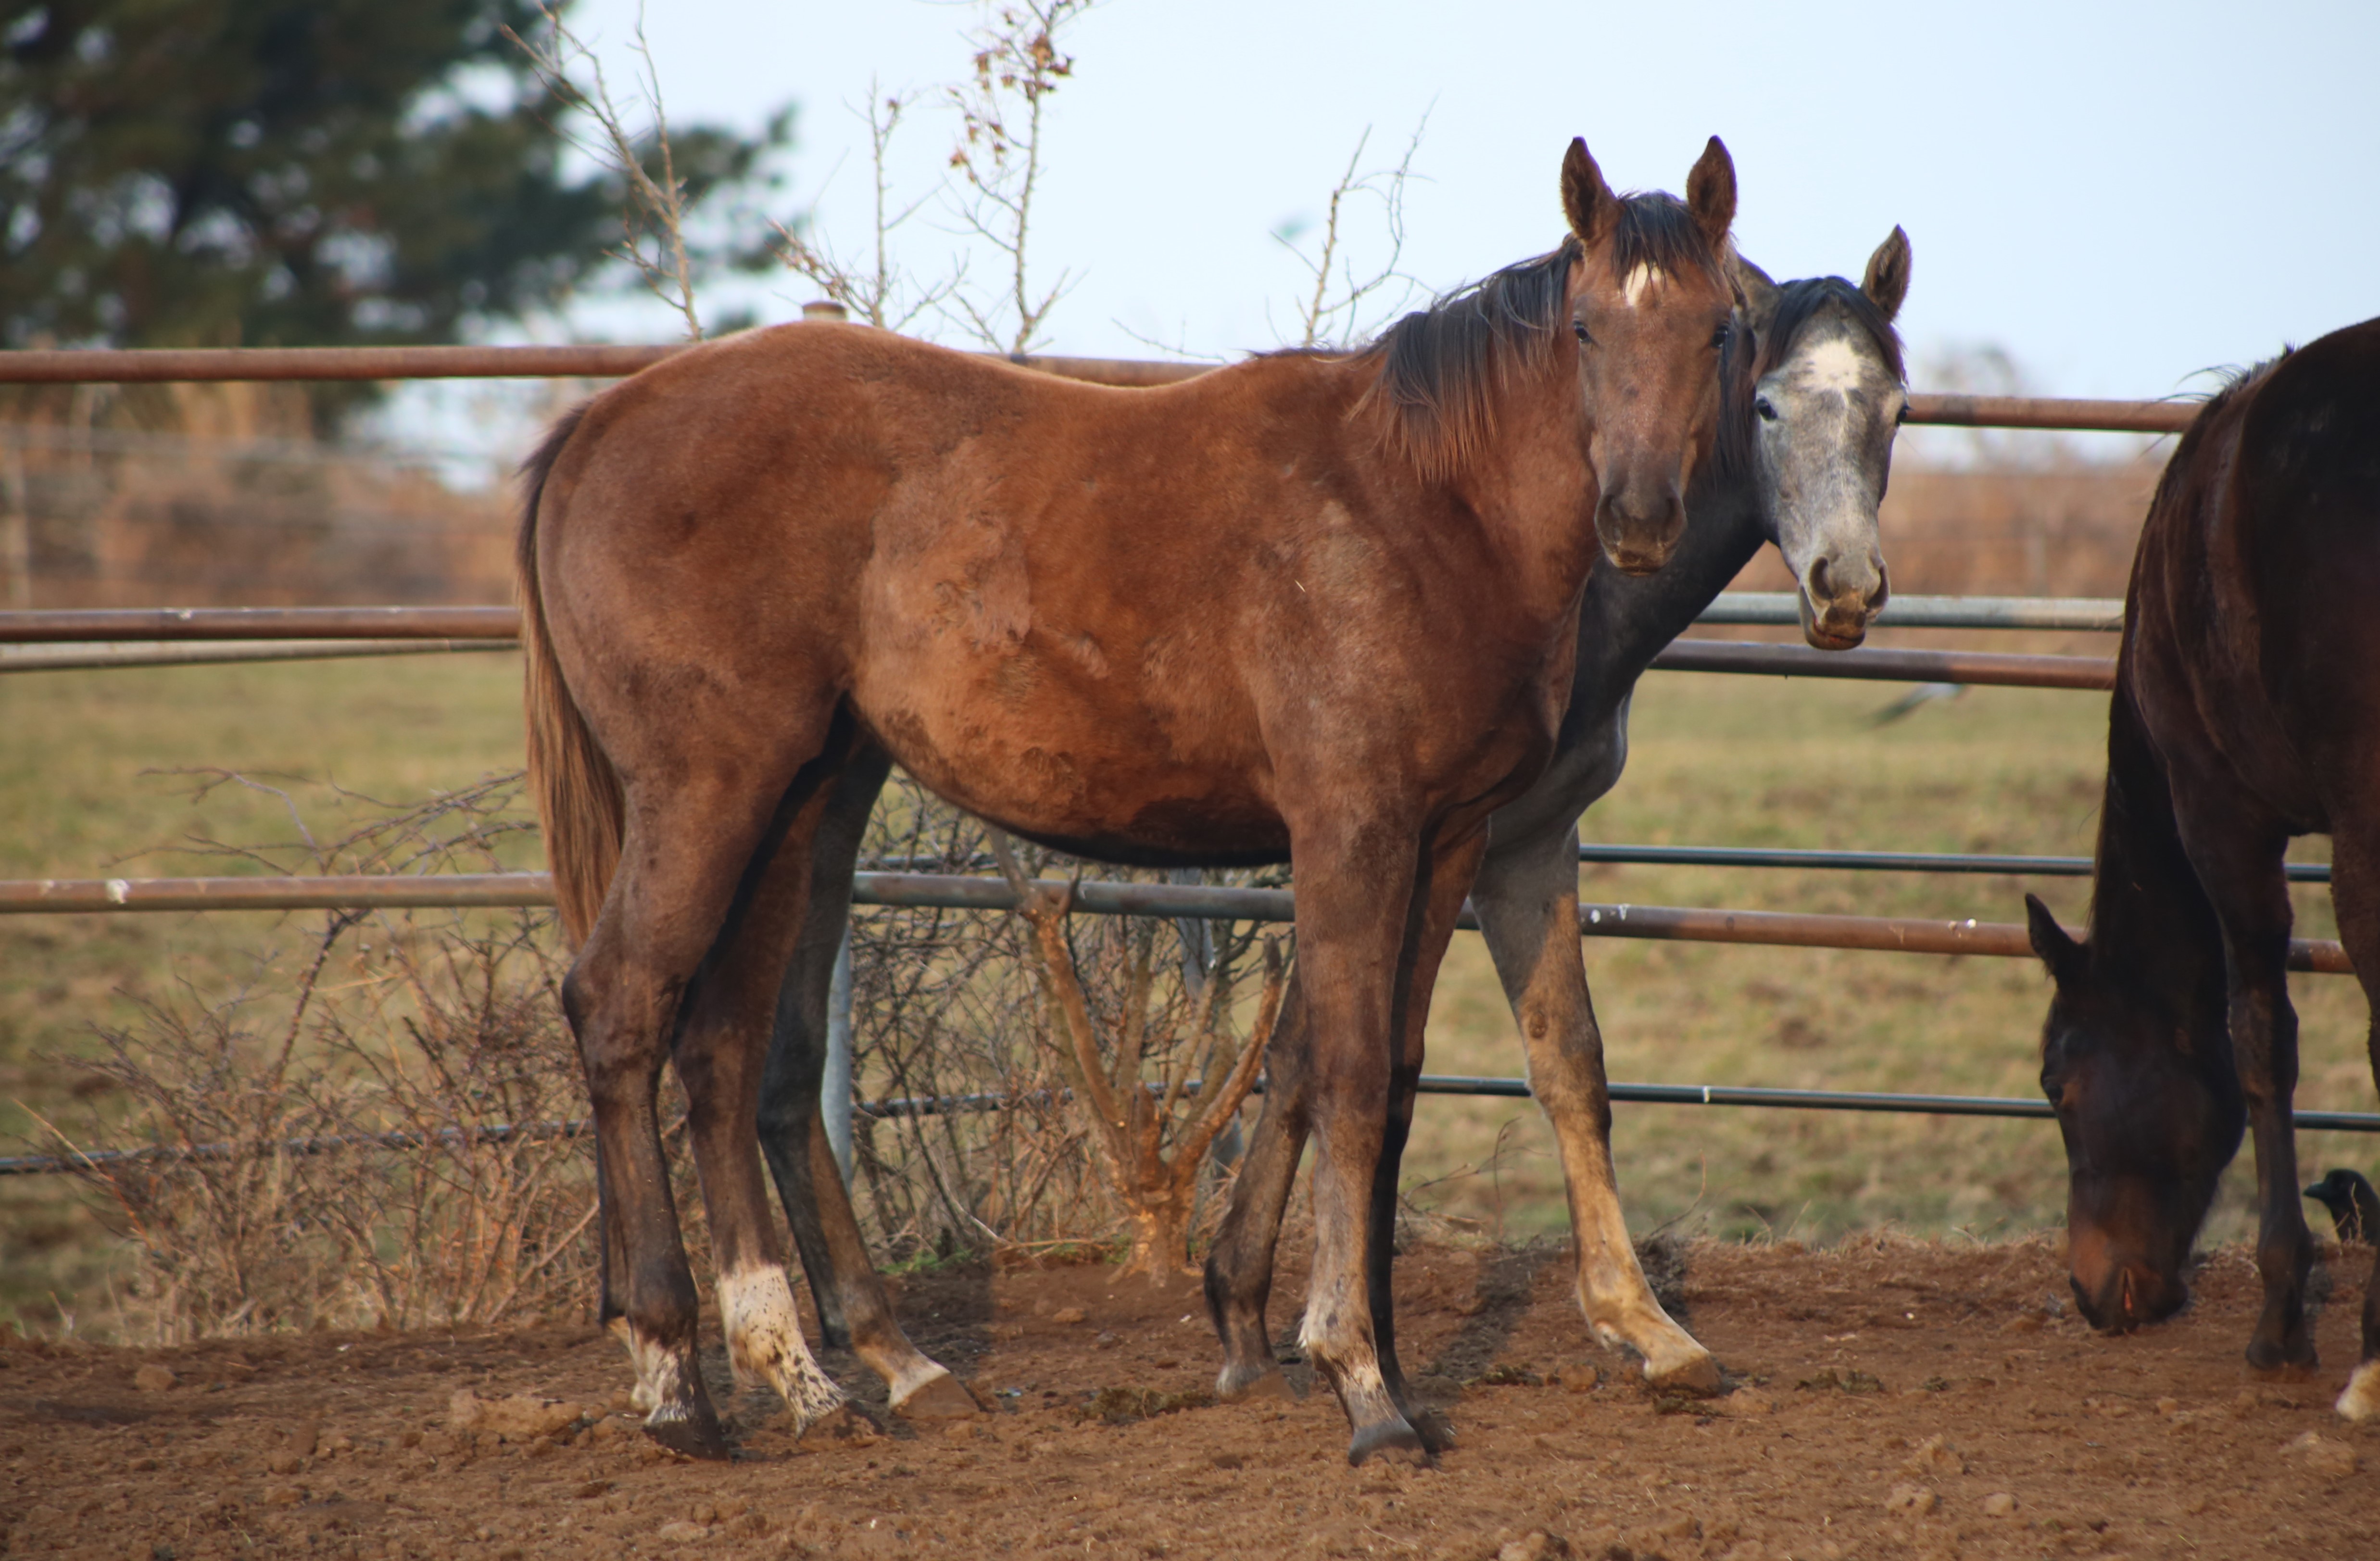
[{"x": 85, "y": 791}]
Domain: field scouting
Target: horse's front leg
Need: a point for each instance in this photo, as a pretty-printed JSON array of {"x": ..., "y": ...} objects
[
  {"x": 2239, "y": 864},
  {"x": 1526, "y": 896},
  {"x": 1240, "y": 1263},
  {"x": 1356, "y": 920}
]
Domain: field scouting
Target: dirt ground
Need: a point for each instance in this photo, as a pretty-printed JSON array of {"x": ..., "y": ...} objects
[{"x": 1892, "y": 1398}]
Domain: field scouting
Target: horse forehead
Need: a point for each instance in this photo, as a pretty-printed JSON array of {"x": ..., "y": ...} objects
[
  {"x": 1832, "y": 364},
  {"x": 1640, "y": 282}
]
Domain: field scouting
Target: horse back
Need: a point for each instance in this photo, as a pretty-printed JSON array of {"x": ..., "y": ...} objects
[
  {"x": 2254, "y": 627},
  {"x": 2305, "y": 501}
]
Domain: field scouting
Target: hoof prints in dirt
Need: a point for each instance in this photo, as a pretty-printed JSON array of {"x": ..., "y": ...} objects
[{"x": 1972, "y": 1442}]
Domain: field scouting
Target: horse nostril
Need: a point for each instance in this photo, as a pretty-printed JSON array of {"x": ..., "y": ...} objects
[
  {"x": 1818, "y": 591},
  {"x": 1883, "y": 592}
]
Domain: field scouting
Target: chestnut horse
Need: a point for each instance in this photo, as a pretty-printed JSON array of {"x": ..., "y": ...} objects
[
  {"x": 1814, "y": 392},
  {"x": 1315, "y": 607},
  {"x": 2246, "y": 711}
]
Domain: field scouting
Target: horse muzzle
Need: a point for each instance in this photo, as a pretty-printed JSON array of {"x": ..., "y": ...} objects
[
  {"x": 2129, "y": 1295},
  {"x": 1640, "y": 531},
  {"x": 1838, "y": 605}
]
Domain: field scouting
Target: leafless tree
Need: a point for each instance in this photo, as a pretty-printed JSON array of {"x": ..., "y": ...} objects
[
  {"x": 1018, "y": 64},
  {"x": 1334, "y": 314},
  {"x": 652, "y": 220},
  {"x": 1131, "y": 1065}
]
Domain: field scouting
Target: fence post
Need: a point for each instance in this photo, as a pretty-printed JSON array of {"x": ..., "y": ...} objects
[{"x": 834, "y": 1089}]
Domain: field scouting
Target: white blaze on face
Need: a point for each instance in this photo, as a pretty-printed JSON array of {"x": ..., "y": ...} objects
[
  {"x": 1832, "y": 366},
  {"x": 1637, "y": 284}
]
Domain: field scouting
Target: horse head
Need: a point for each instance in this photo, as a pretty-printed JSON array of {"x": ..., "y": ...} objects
[
  {"x": 1822, "y": 373},
  {"x": 2150, "y": 1108},
  {"x": 1651, "y": 308}
]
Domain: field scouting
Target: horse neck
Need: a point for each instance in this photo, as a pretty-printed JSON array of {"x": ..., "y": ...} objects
[
  {"x": 2152, "y": 925},
  {"x": 1532, "y": 488}
]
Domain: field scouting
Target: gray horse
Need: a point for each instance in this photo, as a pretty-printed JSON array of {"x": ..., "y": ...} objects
[{"x": 1805, "y": 441}]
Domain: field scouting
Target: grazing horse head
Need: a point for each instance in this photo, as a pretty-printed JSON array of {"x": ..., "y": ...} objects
[
  {"x": 1821, "y": 370},
  {"x": 2138, "y": 1067}
]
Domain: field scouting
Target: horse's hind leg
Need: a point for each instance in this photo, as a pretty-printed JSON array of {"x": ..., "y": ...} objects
[
  {"x": 2355, "y": 896},
  {"x": 1447, "y": 879},
  {"x": 684, "y": 855},
  {"x": 1526, "y": 895},
  {"x": 853, "y": 1307},
  {"x": 1239, "y": 1264}
]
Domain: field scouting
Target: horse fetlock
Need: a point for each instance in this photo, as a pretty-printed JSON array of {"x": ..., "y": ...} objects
[
  {"x": 666, "y": 1370},
  {"x": 1248, "y": 1380},
  {"x": 765, "y": 1345}
]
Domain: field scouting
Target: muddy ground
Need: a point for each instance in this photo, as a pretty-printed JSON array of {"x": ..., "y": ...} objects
[{"x": 1892, "y": 1399}]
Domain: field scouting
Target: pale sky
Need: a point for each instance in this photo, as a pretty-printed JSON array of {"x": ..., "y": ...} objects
[{"x": 2115, "y": 195}]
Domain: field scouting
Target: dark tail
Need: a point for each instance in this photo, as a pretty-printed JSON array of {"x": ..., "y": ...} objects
[{"x": 577, "y": 792}]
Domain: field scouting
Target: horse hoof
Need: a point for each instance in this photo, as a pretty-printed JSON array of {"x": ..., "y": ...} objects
[
  {"x": 1254, "y": 1385},
  {"x": 690, "y": 1433},
  {"x": 1437, "y": 1431},
  {"x": 938, "y": 1397},
  {"x": 846, "y": 1425},
  {"x": 1394, "y": 1440},
  {"x": 1697, "y": 1375},
  {"x": 2362, "y": 1399},
  {"x": 2294, "y": 1362}
]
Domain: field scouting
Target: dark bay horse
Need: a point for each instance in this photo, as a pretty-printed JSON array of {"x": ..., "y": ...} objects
[
  {"x": 1316, "y": 607},
  {"x": 1813, "y": 393},
  {"x": 2246, "y": 712}
]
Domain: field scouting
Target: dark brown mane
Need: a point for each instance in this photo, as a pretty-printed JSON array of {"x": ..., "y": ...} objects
[
  {"x": 1798, "y": 303},
  {"x": 1438, "y": 366}
]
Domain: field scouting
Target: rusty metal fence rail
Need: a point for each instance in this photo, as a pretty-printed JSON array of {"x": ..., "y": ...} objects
[{"x": 178, "y": 636}]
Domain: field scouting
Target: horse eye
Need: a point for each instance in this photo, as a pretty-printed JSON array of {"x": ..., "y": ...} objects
[
  {"x": 1578, "y": 329},
  {"x": 1902, "y": 415},
  {"x": 1767, "y": 409},
  {"x": 1719, "y": 336}
]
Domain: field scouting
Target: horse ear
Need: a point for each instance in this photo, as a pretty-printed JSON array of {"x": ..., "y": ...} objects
[
  {"x": 2064, "y": 957},
  {"x": 1759, "y": 293},
  {"x": 1586, "y": 200},
  {"x": 1710, "y": 193},
  {"x": 1887, "y": 283}
]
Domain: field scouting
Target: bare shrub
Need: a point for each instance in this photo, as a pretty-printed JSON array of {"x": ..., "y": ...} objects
[
  {"x": 1133, "y": 1056},
  {"x": 382, "y": 1139},
  {"x": 966, "y": 1008}
]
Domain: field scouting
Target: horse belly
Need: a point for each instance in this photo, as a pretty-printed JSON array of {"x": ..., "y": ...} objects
[{"x": 1090, "y": 771}]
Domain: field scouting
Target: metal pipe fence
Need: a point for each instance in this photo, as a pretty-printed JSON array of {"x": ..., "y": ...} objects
[
  {"x": 1873, "y": 861},
  {"x": 1909, "y": 935},
  {"x": 183, "y": 636},
  {"x": 163, "y": 636},
  {"x": 1754, "y": 1095},
  {"x": 153, "y": 366}
]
